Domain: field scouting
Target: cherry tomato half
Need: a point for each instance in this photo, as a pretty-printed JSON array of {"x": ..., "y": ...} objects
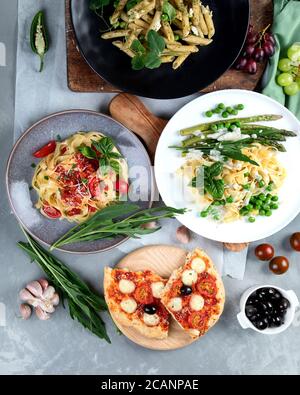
[
  {"x": 207, "y": 286},
  {"x": 91, "y": 209},
  {"x": 264, "y": 252},
  {"x": 94, "y": 186},
  {"x": 196, "y": 320},
  {"x": 295, "y": 241},
  {"x": 45, "y": 150},
  {"x": 51, "y": 212},
  {"x": 279, "y": 265},
  {"x": 143, "y": 294},
  {"x": 74, "y": 211},
  {"x": 122, "y": 187}
]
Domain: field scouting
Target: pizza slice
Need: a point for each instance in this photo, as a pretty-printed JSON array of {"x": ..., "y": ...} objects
[
  {"x": 194, "y": 294},
  {"x": 133, "y": 299}
]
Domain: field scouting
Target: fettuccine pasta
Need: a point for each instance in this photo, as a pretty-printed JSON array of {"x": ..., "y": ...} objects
[{"x": 72, "y": 184}]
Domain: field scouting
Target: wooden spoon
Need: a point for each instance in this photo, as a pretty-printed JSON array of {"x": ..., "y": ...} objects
[{"x": 131, "y": 112}]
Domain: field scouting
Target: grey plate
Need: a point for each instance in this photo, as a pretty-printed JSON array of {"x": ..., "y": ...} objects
[{"x": 65, "y": 124}]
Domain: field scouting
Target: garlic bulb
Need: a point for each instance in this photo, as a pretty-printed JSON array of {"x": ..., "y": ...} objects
[
  {"x": 40, "y": 295},
  {"x": 183, "y": 234}
]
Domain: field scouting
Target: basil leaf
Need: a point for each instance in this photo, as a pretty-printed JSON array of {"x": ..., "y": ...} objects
[
  {"x": 115, "y": 166},
  {"x": 88, "y": 152},
  {"x": 156, "y": 42},
  {"x": 137, "y": 47},
  {"x": 105, "y": 145},
  {"x": 115, "y": 155},
  {"x": 138, "y": 62},
  {"x": 169, "y": 10},
  {"x": 97, "y": 4},
  {"x": 215, "y": 188},
  {"x": 152, "y": 61},
  {"x": 215, "y": 169}
]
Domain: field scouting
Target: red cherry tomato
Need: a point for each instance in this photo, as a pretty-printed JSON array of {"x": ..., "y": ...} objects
[
  {"x": 122, "y": 187},
  {"x": 143, "y": 294},
  {"x": 74, "y": 211},
  {"x": 91, "y": 209},
  {"x": 207, "y": 286},
  {"x": 51, "y": 212},
  {"x": 279, "y": 265},
  {"x": 295, "y": 241},
  {"x": 264, "y": 252},
  {"x": 196, "y": 320},
  {"x": 45, "y": 150},
  {"x": 94, "y": 186}
]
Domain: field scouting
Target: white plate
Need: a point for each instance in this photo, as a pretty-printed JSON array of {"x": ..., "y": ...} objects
[{"x": 168, "y": 160}]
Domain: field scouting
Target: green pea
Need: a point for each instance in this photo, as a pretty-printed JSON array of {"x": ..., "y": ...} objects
[
  {"x": 225, "y": 114},
  {"x": 266, "y": 208},
  {"x": 246, "y": 186},
  {"x": 217, "y": 110},
  {"x": 214, "y": 128},
  {"x": 274, "y": 206},
  {"x": 221, "y": 126},
  {"x": 240, "y": 107},
  {"x": 204, "y": 214},
  {"x": 221, "y": 106},
  {"x": 176, "y": 37},
  {"x": 268, "y": 213},
  {"x": 229, "y": 199},
  {"x": 258, "y": 203},
  {"x": 122, "y": 24},
  {"x": 274, "y": 198},
  {"x": 262, "y": 197},
  {"x": 216, "y": 217},
  {"x": 227, "y": 125},
  {"x": 269, "y": 196},
  {"x": 229, "y": 109},
  {"x": 216, "y": 203},
  {"x": 209, "y": 114},
  {"x": 238, "y": 124},
  {"x": 251, "y": 219},
  {"x": 234, "y": 112},
  {"x": 115, "y": 25},
  {"x": 249, "y": 207},
  {"x": 232, "y": 128},
  {"x": 262, "y": 212},
  {"x": 165, "y": 17},
  {"x": 261, "y": 184},
  {"x": 247, "y": 175}
]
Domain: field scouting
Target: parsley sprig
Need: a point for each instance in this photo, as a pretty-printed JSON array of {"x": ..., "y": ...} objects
[
  {"x": 148, "y": 55},
  {"x": 103, "y": 150}
]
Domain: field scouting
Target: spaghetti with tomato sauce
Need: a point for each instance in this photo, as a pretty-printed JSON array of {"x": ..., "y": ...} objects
[{"x": 71, "y": 181}]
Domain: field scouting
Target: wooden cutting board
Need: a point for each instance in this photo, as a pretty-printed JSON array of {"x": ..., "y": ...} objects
[
  {"x": 161, "y": 259},
  {"x": 81, "y": 78}
]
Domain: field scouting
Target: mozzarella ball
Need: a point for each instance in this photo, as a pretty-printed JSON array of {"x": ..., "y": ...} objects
[
  {"x": 151, "y": 319},
  {"x": 198, "y": 265},
  {"x": 157, "y": 288},
  {"x": 126, "y": 286},
  {"x": 196, "y": 302},
  {"x": 175, "y": 304},
  {"x": 128, "y": 305},
  {"x": 189, "y": 277}
]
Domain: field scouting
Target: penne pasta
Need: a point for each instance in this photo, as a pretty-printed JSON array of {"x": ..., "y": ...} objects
[
  {"x": 115, "y": 16},
  {"x": 115, "y": 34},
  {"x": 197, "y": 40},
  {"x": 142, "y": 8},
  {"x": 133, "y": 36},
  {"x": 168, "y": 32},
  {"x": 209, "y": 21},
  {"x": 202, "y": 22},
  {"x": 180, "y": 59},
  {"x": 121, "y": 46},
  {"x": 167, "y": 59},
  {"x": 156, "y": 21},
  {"x": 183, "y": 48},
  {"x": 185, "y": 22}
]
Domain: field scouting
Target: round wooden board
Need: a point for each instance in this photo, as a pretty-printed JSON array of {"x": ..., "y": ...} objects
[{"x": 161, "y": 259}]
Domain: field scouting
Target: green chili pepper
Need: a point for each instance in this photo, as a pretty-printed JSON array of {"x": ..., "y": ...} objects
[{"x": 39, "y": 37}]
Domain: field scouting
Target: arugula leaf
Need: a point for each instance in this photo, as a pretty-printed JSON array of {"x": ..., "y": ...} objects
[
  {"x": 237, "y": 155},
  {"x": 169, "y": 10},
  {"x": 88, "y": 152},
  {"x": 95, "y": 5},
  {"x": 155, "y": 42}
]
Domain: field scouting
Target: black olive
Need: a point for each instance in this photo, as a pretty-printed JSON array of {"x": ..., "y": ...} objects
[
  {"x": 284, "y": 304},
  {"x": 277, "y": 296},
  {"x": 261, "y": 324},
  {"x": 276, "y": 321},
  {"x": 186, "y": 290},
  {"x": 271, "y": 291},
  {"x": 150, "y": 309},
  {"x": 261, "y": 293},
  {"x": 256, "y": 317},
  {"x": 250, "y": 310}
]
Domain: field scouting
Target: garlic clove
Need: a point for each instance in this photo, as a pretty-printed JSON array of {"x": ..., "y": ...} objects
[
  {"x": 44, "y": 283},
  {"x": 25, "y": 295},
  {"x": 35, "y": 288},
  {"x": 183, "y": 234},
  {"x": 25, "y": 311},
  {"x": 150, "y": 225},
  {"x": 55, "y": 299},
  {"x": 49, "y": 292},
  {"x": 41, "y": 314}
]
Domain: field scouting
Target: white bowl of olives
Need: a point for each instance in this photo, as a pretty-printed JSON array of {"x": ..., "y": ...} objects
[{"x": 267, "y": 309}]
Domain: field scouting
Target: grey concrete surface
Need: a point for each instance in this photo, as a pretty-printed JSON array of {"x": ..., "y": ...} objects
[{"x": 61, "y": 346}]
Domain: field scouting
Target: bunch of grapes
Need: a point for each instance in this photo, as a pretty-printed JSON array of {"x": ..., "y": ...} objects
[
  {"x": 258, "y": 46},
  {"x": 289, "y": 79}
]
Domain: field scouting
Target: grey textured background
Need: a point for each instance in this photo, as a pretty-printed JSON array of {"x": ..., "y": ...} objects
[{"x": 62, "y": 346}]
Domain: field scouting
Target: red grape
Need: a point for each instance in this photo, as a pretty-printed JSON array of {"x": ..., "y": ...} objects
[
  {"x": 241, "y": 63},
  {"x": 251, "y": 66},
  {"x": 259, "y": 54},
  {"x": 268, "y": 48},
  {"x": 269, "y": 37},
  {"x": 251, "y": 38},
  {"x": 249, "y": 50}
]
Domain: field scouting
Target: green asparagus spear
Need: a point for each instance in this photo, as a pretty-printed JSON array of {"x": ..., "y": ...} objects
[
  {"x": 205, "y": 126},
  {"x": 284, "y": 132}
]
